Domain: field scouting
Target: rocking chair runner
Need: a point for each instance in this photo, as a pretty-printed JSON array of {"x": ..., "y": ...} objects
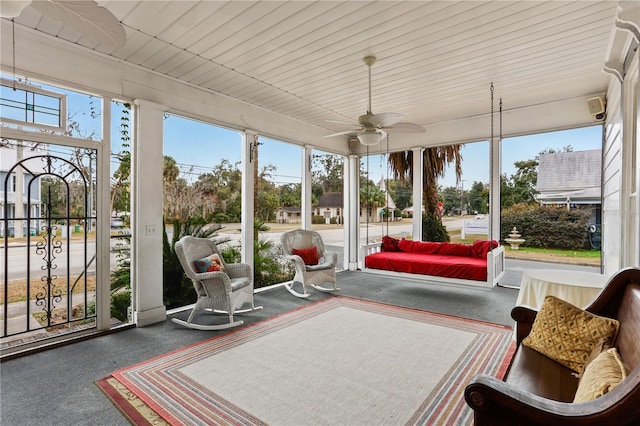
[
  {"x": 219, "y": 292},
  {"x": 308, "y": 274}
]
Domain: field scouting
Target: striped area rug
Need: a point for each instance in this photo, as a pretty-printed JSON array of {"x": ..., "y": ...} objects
[{"x": 340, "y": 361}]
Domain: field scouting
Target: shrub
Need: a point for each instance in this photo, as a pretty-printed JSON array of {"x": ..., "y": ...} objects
[
  {"x": 120, "y": 302},
  {"x": 317, "y": 219},
  {"x": 221, "y": 218},
  {"x": 230, "y": 254},
  {"x": 546, "y": 227},
  {"x": 433, "y": 229},
  {"x": 270, "y": 265},
  {"x": 120, "y": 287}
]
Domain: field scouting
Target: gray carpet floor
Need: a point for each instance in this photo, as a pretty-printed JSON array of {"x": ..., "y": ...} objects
[{"x": 56, "y": 386}]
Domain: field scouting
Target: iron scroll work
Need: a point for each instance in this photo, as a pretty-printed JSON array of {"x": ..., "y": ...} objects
[{"x": 53, "y": 292}]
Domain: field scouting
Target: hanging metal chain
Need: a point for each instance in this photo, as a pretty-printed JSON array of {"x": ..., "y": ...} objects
[
  {"x": 386, "y": 187},
  {"x": 491, "y": 171},
  {"x": 366, "y": 212}
]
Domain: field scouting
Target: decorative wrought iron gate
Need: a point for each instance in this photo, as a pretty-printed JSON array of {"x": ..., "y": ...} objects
[{"x": 48, "y": 215}]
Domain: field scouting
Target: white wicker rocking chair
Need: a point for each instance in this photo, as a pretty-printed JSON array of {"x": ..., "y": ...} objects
[
  {"x": 309, "y": 275},
  {"x": 218, "y": 292}
]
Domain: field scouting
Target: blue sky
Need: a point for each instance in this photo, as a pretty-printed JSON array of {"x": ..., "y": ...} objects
[{"x": 202, "y": 146}]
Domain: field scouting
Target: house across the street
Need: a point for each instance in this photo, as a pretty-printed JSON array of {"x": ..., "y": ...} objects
[{"x": 571, "y": 179}]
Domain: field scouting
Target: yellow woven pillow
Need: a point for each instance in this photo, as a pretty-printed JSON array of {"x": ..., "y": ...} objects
[
  {"x": 567, "y": 334},
  {"x": 600, "y": 376}
]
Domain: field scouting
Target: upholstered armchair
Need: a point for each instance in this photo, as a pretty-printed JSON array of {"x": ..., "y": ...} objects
[
  {"x": 314, "y": 266},
  {"x": 222, "y": 287}
]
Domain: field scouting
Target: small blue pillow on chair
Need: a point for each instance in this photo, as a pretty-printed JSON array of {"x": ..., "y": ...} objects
[{"x": 211, "y": 263}]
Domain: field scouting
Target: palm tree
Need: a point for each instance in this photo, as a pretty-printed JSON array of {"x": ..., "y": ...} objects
[{"x": 435, "y": 161}]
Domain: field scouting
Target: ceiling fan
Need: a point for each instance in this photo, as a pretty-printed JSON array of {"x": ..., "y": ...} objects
[
  {"x": 374, "y": 127},
  {"x": 86, "y": 17}
]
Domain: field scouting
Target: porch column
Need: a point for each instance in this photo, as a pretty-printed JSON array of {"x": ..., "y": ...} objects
[
  {"x": 103, "y": 230},
  {"x": 249, "y": 147},
  {"x": 306, "y": 207},
  {"x": 417, "y": 193},
  {"x": 351, "y": 211},
  {"x": 146, "y": 218},
  {"x": 495, "y": 169}
]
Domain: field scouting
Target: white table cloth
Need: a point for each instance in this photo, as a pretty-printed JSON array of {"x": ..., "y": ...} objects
[{"x": 579, "y": 288}]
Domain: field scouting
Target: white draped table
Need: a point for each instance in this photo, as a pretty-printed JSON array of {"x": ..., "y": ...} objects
[{"x": 579, "y": 288}]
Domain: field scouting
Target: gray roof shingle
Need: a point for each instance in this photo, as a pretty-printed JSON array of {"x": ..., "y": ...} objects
[{"x": 569, "y": 171}]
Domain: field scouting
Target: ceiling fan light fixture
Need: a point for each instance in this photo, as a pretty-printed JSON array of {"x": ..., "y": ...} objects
[{"x": 370, "y": 138}]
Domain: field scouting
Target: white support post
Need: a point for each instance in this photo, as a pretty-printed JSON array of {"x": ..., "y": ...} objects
[
  {"x": 352, "y": 211},
  {"x": 249, "y": 149},
  {"x": 495, "y": 168},
  {"x": 103, "y": 228},
  {"x": 417, "y": 193},
  {"x": 306, "y": 188},
  {"x": 146, "y": 244}
]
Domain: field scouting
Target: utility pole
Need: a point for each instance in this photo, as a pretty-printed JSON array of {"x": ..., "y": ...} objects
[{"x": 461, "y": 196}]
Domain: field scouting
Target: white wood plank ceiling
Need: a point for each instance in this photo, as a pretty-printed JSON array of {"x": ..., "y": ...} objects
[{"x": 303, "y": 59}]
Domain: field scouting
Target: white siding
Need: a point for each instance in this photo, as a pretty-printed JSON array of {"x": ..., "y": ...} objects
[
  {"x": 630, "y": 220},
  {"x": 621, "y": 178},
  {"x": 612, "y": 162}
]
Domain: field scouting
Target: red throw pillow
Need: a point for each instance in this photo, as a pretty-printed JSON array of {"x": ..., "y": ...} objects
[
  {"x": 449, "y": 249},
  {"x": 405, "y": 245},
  {"x": 390, "y": 243},
  {"x": 425, "y": 247},
  {"x": 309, "y": 255},
  {"x": 482, "y": 247}
]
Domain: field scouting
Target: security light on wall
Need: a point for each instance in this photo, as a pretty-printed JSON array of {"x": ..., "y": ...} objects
[{"x": 597, "y": 107}]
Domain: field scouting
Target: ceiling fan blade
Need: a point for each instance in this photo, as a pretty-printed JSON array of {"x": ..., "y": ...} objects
[
  {"x": 403, "y": 127},
  {"x": 347, "y": 132},
  {"x": 349, "y": 123},
  {"x": 86, "y": 17},
  {"x": 385, "y": 119},
  {"x": 12, "y": 8}
]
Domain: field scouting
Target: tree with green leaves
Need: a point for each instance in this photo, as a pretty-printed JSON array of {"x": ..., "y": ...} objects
[
  {"x": 328, "y": 171},
  {"x": 268, "y": 198},
  {"x": 450, "y": 198},
  {"x": 435, "y": 162},
  {"x": 184, "y": 201},
  {"x": 371, "y": 196},
  {"x": 478, "y": 197},
  {"x": 400, "y": 192}
]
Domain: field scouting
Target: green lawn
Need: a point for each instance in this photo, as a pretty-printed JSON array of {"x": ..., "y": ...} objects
[
  {"x": 537, "y": 252},
  {"x": 582, "y": 253}
]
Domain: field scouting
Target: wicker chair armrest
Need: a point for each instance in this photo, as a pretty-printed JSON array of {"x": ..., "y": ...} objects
[
  {"x": 238, "y": 270},
  {"x": 331, "y": 257},
  {"x": 297, "y": 260},
  {"x": 209, "y": 279}
]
